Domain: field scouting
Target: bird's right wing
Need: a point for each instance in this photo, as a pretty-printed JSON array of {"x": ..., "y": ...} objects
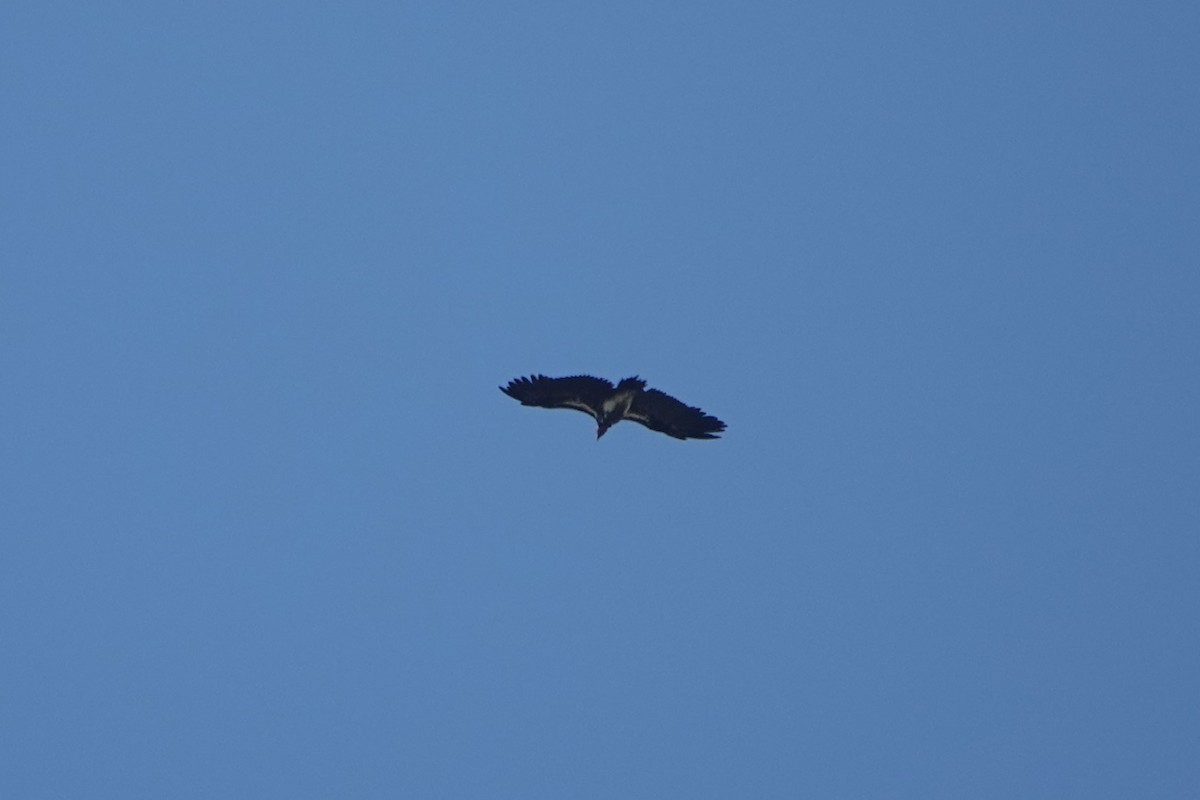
[{"x": 580, "y": 392}]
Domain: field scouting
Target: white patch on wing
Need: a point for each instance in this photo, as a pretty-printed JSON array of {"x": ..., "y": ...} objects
[
  {"x": 579, "y": 405},
  {"x": 620, "y": 401}
]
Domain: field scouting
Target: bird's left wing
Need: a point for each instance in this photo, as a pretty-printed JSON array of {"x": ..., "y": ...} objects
[{"x": 661, "y": 412}]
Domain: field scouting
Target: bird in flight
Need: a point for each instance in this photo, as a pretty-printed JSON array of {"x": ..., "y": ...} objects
[{"x": 629, "y": 399}]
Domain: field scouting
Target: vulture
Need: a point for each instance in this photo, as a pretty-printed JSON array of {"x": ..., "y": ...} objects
[{"x": 630, "y": 399}]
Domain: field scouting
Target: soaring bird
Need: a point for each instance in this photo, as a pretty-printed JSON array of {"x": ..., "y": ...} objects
[{"x": 630, "y": 399}]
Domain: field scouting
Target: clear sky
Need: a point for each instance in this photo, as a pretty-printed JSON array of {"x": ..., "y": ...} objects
[{"x": 269, "y": 530}]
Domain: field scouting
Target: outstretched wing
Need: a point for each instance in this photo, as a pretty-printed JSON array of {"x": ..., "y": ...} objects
[
  {"x": 580, "y": 392},
  {"x": 663, "y": 413}
]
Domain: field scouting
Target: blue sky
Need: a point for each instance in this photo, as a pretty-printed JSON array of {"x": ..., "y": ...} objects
[{"x": 270, "y": 530}]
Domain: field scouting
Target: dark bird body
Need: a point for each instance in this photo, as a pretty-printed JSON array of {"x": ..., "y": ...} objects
[{"x": 629, "y": 399}]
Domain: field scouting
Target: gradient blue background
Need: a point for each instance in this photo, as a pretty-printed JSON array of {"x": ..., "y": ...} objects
[{"x": 270, "y": 530}]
